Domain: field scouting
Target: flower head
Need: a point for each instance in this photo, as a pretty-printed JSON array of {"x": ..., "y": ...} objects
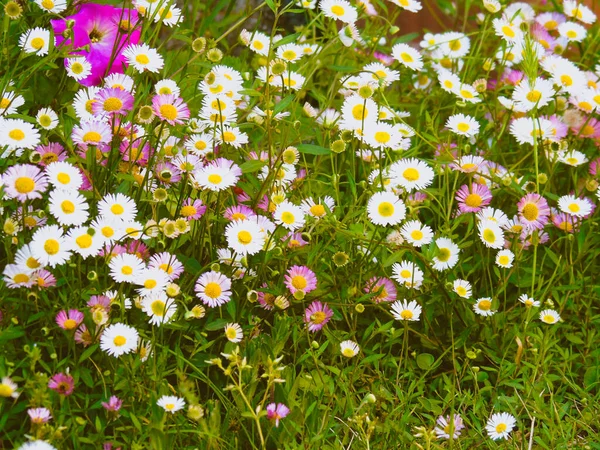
[
  {"x": 276, "y": 412},
  {"x": 62, "y": 383},
  {"x": 317, "y": 315}
]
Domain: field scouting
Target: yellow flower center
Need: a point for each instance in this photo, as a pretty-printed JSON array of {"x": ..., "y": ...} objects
[
  {"x": 78, "y": 68},
  {"x": 45, "y": 120},
  {"x": 112, "y": 104},
  {"x": 530, "y": 212},
  {"x": 455, "y": 45},
  {"x": 117, "y": 209},
  {"x": 406, "y": 314},
  {"x": 551, "y": 24},
  {"x": 37, "y": 43},
  {"x": 290, "y": 55},
  {"x": 466, "y": 94},
  {"x": 406, "y": 274},
  {"x": 169, "y": 112},
  {"x": 67, "y": 207},
  {"x": 317, "y": 210},
  {"x": 382, "y": 137},
  {"x": 359, "y": 112},
  {"x": 548, "y": 318},
  {"x": 566, "y": 80},
  {"x": 503, "y": 260},
  {"x": 485, "y": 305},
  {"x": 385, "y": 209},
  {"x": 92, "y": 136},
  {"x": 32, "y": 263},
  {"x": 107, "y": 231},
  {"x": 571, "y": 34},
  {"x": 463, "y": 127},
  {"x": 288, "y": 218},
  {"x": 21, "y": 278},
  {"x": 212, "y": 290},
  {"x": 299, "y": 282},
  {"x": 461, "y": 290},
  {"x": 150, "y": 284},
  {"x": 51, "y": 246},
  {"x": 444, "y": 255},
  {"x": 337, "y": 10},
  {"x": 244, "y": 237},
  {"x": 258, "y": 45},
  {"x": 574, "y": 207},
  {"x": 142, "y": 59},
  {"x": 508, "y": 31},
  {"x": 24, "y": 185},
  {"x": 318, "y": 317},
  {"x": 158, "y": 308},
  {"x": 16, "y": 134},
  {"x": 84, "y": 241},
  {"x": 406, "y": 57},
  {"x": 228, "y": 136},
  {"x": 533, "y": 96},
  {"x": 188, "y": 211},
  {"x": 417, "y": 235},
  {"x": 348, "y": 352},
  {"x": 489, "y": 235},
  {"x": 411, "y": 174},
  {"x": 48, "y": 4},
  {"x": 231, "y": 333},
  {"x": 473, "y": 200},
  {"x": 501, "y": 427},
  {"x": 215, "y": 178},
  {"x": 5, "y": 390},
  {"x": 126, "y": 270},
  {"x": 119, "y": 341},
  {"x": 70, "y": 324}
]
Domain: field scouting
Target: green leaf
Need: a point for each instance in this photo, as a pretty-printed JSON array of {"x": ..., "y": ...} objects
[
  {"x": 311, "y": 149},
  {"x": 87, "y": 353},
  {"x": 254, "y": 165},
  {"x": 283, "y": 103},
  {"x": 271, "y": 4},
  {"x": 286, "y": 40},
  {"x": 218, "y": 324},
  {"x": 425, "y": 361}
]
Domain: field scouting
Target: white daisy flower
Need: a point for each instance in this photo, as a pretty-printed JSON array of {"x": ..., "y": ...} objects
[
  {"x": 17, "y": 135},
  {"x": 407, "y": 274},
  {"x": 491, "y": 234},
  {"x": 47, "y": 118},
  {"x": 573, "y": 158},
  {"x": 245, "y": 237},
  {"x": 213, "y": 288},
  {"x": 526, "y": 129},
  {"x": 78, "y": 68},
  {"x": 447, "y": 255},
  {"x": 579, "y": 207},
  {"x": 382, "y": 135},
  {"x": 529, "y": 301},
  {"x": 36, "y": 40},
  {"x": 385, "y": 208},
  {"x": 125, "y": 268},
  {"x": 505, "y": 258},
  {"x": 9, "y": 102},
  {"x": 410, "y": 5},
  {"x": 339, "y": 10},
  {"x": 507, "y": 30},
  {"x": 232, "y": 136},
  {"x": 289, "y": 216},
  {"x": 49, "y": 246},
  {"x": 8, "y": 388},
  {"x": 407, "y": 56},
  {"x": 159, "y": 308},
  {"x": 234, "y": 333},
  {"x": 500, "y": 425},
  {"x": 142, "y": 57},
  {"x": 53, "y": 6},
  {"x": 152, "y": 281},
  {"x": 118, "y": 206},
  {"x": 83, "y": 243},
  {"x": 166, "y": 86},
  {"x": 349, "y": 348},
  {"x": 533, "y": 94},
  {"x": 449, "y": 81},
  {"x": 417, "y": 234},
  {"x": 404, "y": 310},
  {"x": 577, "y": 10},
  {"x": 258, "y": 42},
  {"x": 119, "y": 339},
  {"x": 358, "y": 113},
  {"x": 462, "y": 288},
  {"x": 411, "y": 174},
  {"x": 483, "y": 307},
  {"x": 68, "y": 207},
  {"x": 572, "y": 31},
  {"x": 463, "y": 125},
  {"x": 318, "y": 209},
  {"x": 64, "y": 175},
  {"x": 108, "y": 229},
  {"x": 84, "y": 99},
  {"x": 170, "y": 403}
]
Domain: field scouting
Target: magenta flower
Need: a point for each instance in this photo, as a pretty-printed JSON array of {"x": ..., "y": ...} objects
[
  {"x": 473, "y": 198},
  {"x": 43, "y": 278},
  {"x": 112, "y": 102},
  {"x": 114, "y": 404},
  {"x": 51, "y": 152},
  {"x": 443, "y": 427},
  {"x": 533, "y": 211},
  {"x": 239, "y": 212},
  {"x": 83, "y": 336},
  {"x": 61, "y": 383},
  {"x": 300, "y": 278},
  {"x": 137, "y": 151},
  {"x": 100, "y": 33},
  {"x": 383, "y": 288},
  {"x": 39, "y": 415},
  {"x": 317, "y": 315},
  {"x": 69, "y": 320},
  {"x": 564, "y": 221},
  {"x": 277, "y": 412},
  {"x": 294, "y": 240},
  {"x": 170, "y": 108}
]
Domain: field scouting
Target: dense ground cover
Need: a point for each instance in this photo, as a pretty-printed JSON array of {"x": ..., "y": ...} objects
[{"x": 280, "y": 225}]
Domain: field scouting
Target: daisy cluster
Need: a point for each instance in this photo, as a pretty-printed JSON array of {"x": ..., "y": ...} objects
[{"x": 162, "y": 194}]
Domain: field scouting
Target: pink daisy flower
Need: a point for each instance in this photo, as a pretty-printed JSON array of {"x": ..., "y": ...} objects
[
  {"x": 24, "y": 182},
  {"x": 167, "y": 173},
  {"x": 383, "y": 288},
  {"x": 83, "y": 336},
  {"x": 167, "y": 262},
  {"x": 300, "y": 278},
  {"x": 92, "y": 133},
  {"x": 564, "y": 221},
  {"x": 43, "y": 278},
  {"x": 266, "y": 299},
  {"x": 240, "y": 212},
  {"x": 69, "y": 320},
  {"x": 533, "y": 211},
  {"x": 294, "y": 240},
  {"x": 61, "y": 383},
  {"x": 136, "y": 150},
  {"x": 170, "y": 108},
  {"x": 192, "y": 209},
  {"x": 594, "y": 166},
  {"x": 473, "y": 198},
  {"x": 276, "y": 412},
  {"x": 114, "y": 404},
  {"x": 51, "y": 152},
  {"x": 317, "y": 315},
  {"x": 39, "y": 415},
  {"x": 213, "y": 288},
  {"x": 112, "y": 102}
]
